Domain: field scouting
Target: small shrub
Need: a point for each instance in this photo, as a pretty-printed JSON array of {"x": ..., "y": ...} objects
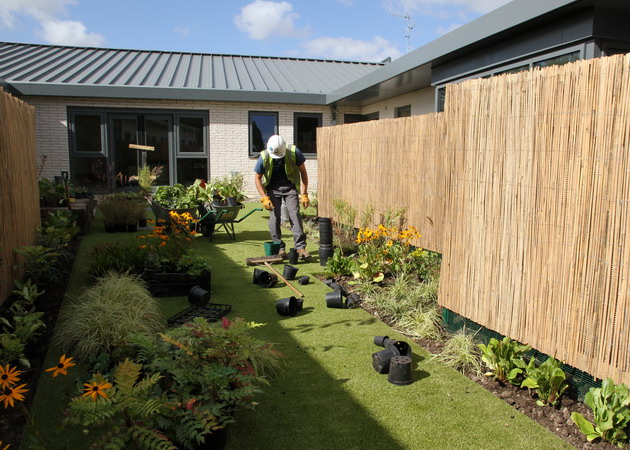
[
  {"x": 338, "y": 264},
  {"x": 116, "y": 256},
  {"x": 40, "y": 264},
  {"x": 548, "y": 379},
  {"x": 504, "y": 359},
  {"x": 117, "y": 305}
]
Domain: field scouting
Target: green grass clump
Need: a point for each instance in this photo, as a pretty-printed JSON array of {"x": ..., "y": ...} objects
[
  {"x": 106, "y": 312},
  {"x": 461, "y": 353}
]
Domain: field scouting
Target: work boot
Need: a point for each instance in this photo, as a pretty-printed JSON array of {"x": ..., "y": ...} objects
[
  {"x": 303, "y": 254},
  {"x": 283, "y": 253}
]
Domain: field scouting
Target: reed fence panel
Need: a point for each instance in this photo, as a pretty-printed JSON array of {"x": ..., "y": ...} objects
[
  {"x": 534, "y": 187},
  {"x": 19, "y": 192}
]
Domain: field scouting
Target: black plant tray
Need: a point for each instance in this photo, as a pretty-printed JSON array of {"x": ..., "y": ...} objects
[
  {"x": 212, "y": 312},
  {"x": 174, "y": 284}
]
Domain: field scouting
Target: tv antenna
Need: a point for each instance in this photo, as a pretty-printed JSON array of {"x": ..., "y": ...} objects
[{"x": 408, "y": 29}]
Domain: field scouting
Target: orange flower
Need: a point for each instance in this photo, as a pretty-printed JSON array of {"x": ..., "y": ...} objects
[
  {"x": 62, "y": 366},
  {"x": 13, "y": 394},
  {"x": 8, "y": 376},
  {"x": 6, "y": 447},
  {"x": 95, "y": 389}
]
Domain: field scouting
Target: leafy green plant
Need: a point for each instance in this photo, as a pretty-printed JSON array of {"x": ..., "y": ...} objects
[
  {"x": 58, "y": 229},
  {"x": 461, "y": 352},
  {"x": 209, "y": 370},
  {"x": 194, "y": 264},
  {"x": 123, "y": 414},
  {"x": 504, "y": 359},
  {"x": 12, "y": 349},
  {"x": 146, "y": 178},
  {"x": 611, "y": 412},
  {"x": 117, "y": 256},
  {"x": 40, "y": 264},
  {"x": 231, "y": 185},
  {"x": 106, "y": 312},
  {"x": 50, "y": 194},
  {"x": 109, "y": 207},
  {"x": 28, "y": 292},
  {"x": 338, "y": 264},
  {"x": 548, "y": 379},
  {"x": 176, "y": 197}
]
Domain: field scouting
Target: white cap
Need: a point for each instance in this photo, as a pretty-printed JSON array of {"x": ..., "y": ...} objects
[{"x": 276, "y": 146}]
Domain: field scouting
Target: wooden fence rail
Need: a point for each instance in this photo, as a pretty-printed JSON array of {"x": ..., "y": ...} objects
[
  {"x": 19, "y": 194},
  {"x": 523, "y": 185}
]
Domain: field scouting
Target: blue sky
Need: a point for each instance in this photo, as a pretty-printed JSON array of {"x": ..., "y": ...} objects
[{"x": 357, "y": 30}]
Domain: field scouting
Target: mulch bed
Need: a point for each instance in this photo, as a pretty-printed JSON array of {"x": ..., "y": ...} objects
[
  {"x": 13, "y": 419},
  {"x": 556, "y": 419}
]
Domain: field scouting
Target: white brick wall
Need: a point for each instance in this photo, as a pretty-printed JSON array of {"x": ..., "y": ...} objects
[{"x": 228, "y": 130}]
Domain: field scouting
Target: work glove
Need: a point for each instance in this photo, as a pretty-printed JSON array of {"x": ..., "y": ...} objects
[
  {"x": 304, "y": 200},
  {"x": 266, "y": 201}
]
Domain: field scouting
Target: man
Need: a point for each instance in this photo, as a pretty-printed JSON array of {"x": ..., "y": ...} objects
[{"x": 281, "y": 175}]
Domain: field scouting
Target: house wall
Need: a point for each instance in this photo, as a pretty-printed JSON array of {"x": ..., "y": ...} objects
[
  {"x": 422, "y": 102},
  {"x": 228, "y": 130}
]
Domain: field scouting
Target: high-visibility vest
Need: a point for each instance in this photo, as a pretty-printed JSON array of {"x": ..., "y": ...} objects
[{"x": 290, "y": 167}]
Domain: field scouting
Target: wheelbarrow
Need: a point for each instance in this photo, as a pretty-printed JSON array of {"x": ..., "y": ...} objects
[{"x": 215, "y": 218}]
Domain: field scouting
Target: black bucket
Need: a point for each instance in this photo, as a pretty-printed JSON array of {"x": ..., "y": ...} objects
[
  {"x": 335, "y": 299},
  {"x": 256, "y": 274},
  {"x": 293, "y": 256},
  {"x": 381, "y": 360},
  {"x": 198, "y": 296},
  {"x": 400, "y": 371},
  {"x": 287, "y": 306},
  {"x": 289, "y": 272},
  {"x": 303, "y": 280},
  {"x": 267, "y": 280}
]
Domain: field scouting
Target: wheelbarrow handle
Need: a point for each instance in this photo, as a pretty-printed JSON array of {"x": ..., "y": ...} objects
[{"x": 248, "y": 214}]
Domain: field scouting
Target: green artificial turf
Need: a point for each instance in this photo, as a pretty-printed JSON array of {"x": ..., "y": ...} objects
[{"x": 327, "y": 395}]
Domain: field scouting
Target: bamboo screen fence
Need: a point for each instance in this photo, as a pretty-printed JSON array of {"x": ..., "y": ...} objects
[
  {"x": 535, "y": 191},
  {"x": 19, "y": 194}
]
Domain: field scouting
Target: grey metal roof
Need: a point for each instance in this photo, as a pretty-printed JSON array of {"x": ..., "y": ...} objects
[
  {"x": 413, "y": 71},
  {"x": 32, "y": 69}
]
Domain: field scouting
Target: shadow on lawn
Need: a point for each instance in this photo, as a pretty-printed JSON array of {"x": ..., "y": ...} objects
[{"x": 304, "y": 406}]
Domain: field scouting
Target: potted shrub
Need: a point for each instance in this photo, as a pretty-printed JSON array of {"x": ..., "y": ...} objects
[{"x": 108, "y": 206}]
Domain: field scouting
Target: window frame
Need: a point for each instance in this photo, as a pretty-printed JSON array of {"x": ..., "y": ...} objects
[
  {"x": 400, "y": 109},
  {"x": 204, "y": 121},
  {"x": 72, "y": 114},
  {"x": 250, "y": 144}
]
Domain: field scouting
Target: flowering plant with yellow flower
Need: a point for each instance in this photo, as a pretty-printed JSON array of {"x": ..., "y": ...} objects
[
  {"x": 385, "y": 250},
  {"x": 167, "y": 244}
]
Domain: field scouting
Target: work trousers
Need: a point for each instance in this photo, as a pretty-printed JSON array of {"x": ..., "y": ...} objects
[{"x": 292, "y": 201}]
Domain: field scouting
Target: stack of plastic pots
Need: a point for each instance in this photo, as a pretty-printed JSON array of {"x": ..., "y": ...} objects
[
  {"x": 325, "y": 240},
  {"x": 395, "y": 360}
]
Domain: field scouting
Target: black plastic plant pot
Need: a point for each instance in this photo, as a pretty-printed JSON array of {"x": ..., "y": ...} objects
[
  {"x": 256, "y": 274},
  {"x": 293, "y": 256},
  {"x": 287, "y": 306},
  {"x": 382, "y": 341},
  {"x": 198, "y": 296},
  {"x": 300, "y": 304},
  {"x": 400, "y": 371},
  {"x": 381, "y": 360},
  {"x": 335, "y": 299},
  {"x": 267, "y": 279},
  {"x": 304, "y": 280},
  {"x": 325, "y": 231},
  {"x": 353, "y": 301},
  {"x": 289, "y": 272},
  {"x": 401, "y": 348}
]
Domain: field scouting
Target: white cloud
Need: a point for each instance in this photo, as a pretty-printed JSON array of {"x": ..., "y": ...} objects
[
  {"x": 182, "y": 30},
  {"x": 345, "y": 48},
  {"x": 263, "y": 19},
  {"x": 49, "y": 14},
  {"x": 443, "y": 8},
  {"x": 70, "y": 32}
]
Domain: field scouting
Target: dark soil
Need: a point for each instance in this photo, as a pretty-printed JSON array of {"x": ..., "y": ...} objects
[
  {"x": 13, "y": 419},
  {"x": 556, "y": 419}
]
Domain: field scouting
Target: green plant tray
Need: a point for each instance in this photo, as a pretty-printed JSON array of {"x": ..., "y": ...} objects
[{"x": 212, "y": 312}]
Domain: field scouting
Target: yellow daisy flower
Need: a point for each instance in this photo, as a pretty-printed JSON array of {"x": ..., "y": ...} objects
[
  {"x": 95, "y": 389},
  {"x": 61, "y": 367},
  {"x": 8, "y": 376},
  {"x": 13, "y": 394}
]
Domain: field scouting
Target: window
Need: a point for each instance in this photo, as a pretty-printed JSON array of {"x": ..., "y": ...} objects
[
  {"x": 403, "y": 111},
  {"x": 305, "y": 131},
  {"x": 371, "y": 116},
  {"x": 352, "y": 118},
  {"x": 612, "y": 48},
  {"x": 99, "y": 145},
  {"x": 440, "y": 101},
  {"x": 262, "y": 125},
  {"x": 192, "y": 156},
  {"x": 558, "y": 60},
  {"x": 516, "y": 69}
]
